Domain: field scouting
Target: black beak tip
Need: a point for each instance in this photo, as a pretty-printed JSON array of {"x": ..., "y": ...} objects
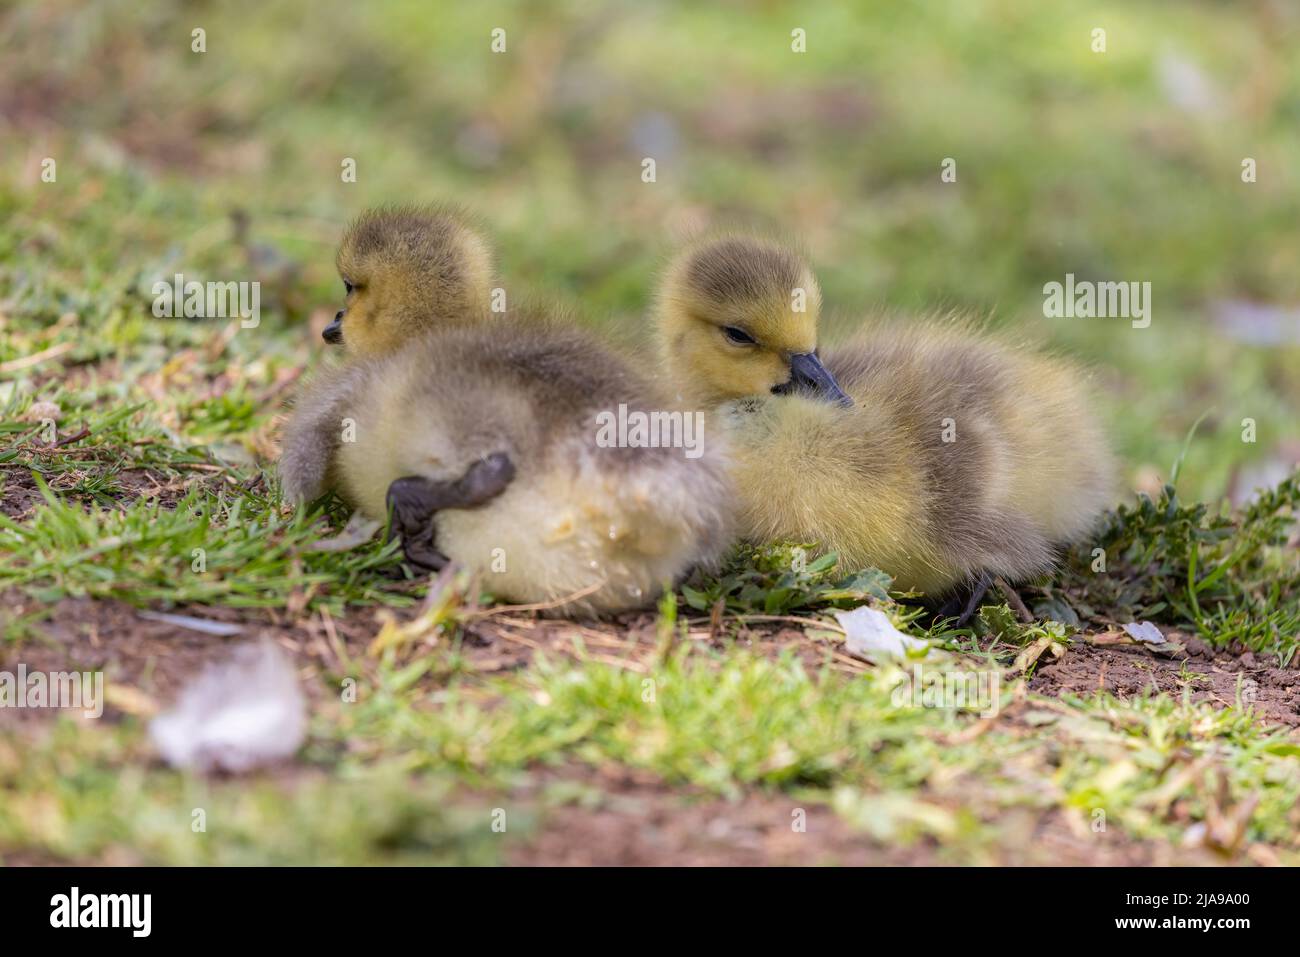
[
  {"x": 333, "y": 333},
  {"x": 808, "y": 375}
]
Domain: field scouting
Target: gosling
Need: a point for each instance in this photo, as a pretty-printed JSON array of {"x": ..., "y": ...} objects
[
  {"x": 933, "y": 452},
  {"x": 483, "y": 434},
  {"x": 405, "y": 269}
]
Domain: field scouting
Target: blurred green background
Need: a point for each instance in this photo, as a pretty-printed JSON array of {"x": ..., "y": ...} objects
[{"x": 1122, "y": 165}]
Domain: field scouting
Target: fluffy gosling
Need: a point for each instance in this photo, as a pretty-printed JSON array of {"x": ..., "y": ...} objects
[
  {"x": 958, "y": 460},
  {"x": 481, "y": 434}
]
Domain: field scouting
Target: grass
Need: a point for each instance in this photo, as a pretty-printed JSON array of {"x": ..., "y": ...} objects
[
  {"x": 157, "y": 488},
  {"x": 91, "y": 797},
  {"x": 723, "y": 726},
  {"x": 1234, "y": 577},
  {"x": 222, "y": 548}
]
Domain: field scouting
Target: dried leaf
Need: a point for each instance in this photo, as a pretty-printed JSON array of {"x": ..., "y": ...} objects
[{"x": 1047, "y": 645}]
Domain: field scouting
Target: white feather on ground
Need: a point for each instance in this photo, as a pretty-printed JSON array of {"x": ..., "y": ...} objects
[
  {"x": 868, "y": 633},
  {"x": 236, "y": 715},
  {"x": 1145, "y": 632}
]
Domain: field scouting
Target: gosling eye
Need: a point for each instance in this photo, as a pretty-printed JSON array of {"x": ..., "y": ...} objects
[
  {"x": 739, "y": 336},
  {"x": 347, "y": 288}
]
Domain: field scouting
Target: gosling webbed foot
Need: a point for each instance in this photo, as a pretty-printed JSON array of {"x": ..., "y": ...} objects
[
  {"x": 414, "y": 500},
  {"x": 483, "y": 481},
  {"x": 424, "y": 558},
  {"x": 965, "y": 601}
]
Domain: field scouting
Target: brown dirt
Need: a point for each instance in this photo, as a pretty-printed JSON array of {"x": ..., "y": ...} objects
[
  {"x": 20, "y": 497},
  {"x": 625, "y": 817},
  {"x": 637, "y": 820},
  {"x": 1129, "y": 670},
  {"x": 155, "y": 659},
  {"x": 501, "y": 642}
]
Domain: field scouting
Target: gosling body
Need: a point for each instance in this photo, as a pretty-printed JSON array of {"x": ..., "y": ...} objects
[
  {"x": 482, "y": 437},
  {"x": 960, "y": 458},
  {"x": 614, "y": 523}
]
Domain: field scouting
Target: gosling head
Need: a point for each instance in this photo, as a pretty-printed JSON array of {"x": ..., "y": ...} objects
[
  {"x": 405, "y": 269},
  {"x": 737, "y": 316}
]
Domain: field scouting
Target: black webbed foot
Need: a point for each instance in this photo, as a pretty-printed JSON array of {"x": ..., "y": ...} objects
[
  {"x": 414, "y": 500},
  {"x": 965, "y": 601},
  {"x": 483, "y": 481}
]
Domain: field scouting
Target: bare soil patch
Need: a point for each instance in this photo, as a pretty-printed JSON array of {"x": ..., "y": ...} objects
[
  {"x": 639, "y": 820},
  {"x": 152, "y": 659},
  {"x": 155, "y": 658},
  {"x": 501, "y": 642},
  {"x": 1222, "y": 679},
  {"x": 20, "y": 496}
]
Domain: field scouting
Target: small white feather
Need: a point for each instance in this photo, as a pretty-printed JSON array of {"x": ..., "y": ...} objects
[
  {"x": 237, "y": 715},
  {"x": 204, "y": 625},
  {"x": 870, "y": 634},
  {"x": 1144, "y": 632}
]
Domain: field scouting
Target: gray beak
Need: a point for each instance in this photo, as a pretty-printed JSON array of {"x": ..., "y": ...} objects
[{"x": 809, "y": 376}]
